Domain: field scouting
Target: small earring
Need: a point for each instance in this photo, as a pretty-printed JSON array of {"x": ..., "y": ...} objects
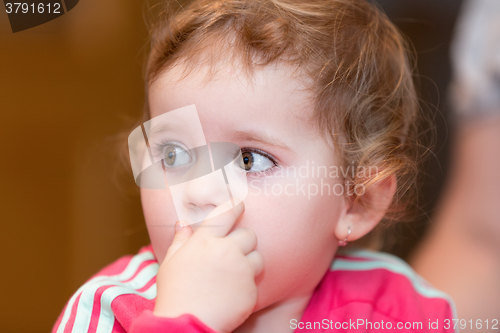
[{"x": 344, "y": 242}]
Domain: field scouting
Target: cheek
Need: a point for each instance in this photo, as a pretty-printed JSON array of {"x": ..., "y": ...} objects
[
  {"x": 292, "y": 211},
  {"x": 286, "y": 224},
  {"x": 296, "y": 238},
  {"x": 160, "y": 216}
]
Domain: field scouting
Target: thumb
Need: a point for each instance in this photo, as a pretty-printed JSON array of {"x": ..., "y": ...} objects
[{"x": 183, "y": 232}]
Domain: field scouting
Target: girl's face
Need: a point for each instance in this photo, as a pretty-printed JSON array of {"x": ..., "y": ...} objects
[{"x": 294, "y": 215}]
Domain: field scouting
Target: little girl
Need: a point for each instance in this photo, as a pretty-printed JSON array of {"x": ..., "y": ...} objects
[{"x": 317, "y": 97}]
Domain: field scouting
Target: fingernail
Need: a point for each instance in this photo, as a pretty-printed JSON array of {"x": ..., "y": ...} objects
[{"x": 178, "y": 226}]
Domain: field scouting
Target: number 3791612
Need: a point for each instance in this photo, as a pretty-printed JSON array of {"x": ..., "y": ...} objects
[
  {"x": 32, "y": 8},
  {"x": 478, "y": 324}
]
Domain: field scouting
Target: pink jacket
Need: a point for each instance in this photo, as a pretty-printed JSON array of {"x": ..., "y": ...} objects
[{"x": 363, "y": 291}]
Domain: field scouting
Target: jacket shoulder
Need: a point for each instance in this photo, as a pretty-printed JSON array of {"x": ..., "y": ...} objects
[
  {"x": 381, "y": 283},
  {"x": 92, "y": 306}
]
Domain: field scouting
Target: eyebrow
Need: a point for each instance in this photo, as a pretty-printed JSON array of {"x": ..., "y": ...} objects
[
  {"x": 159, "y": 128},
  {"x": 260, "y": 137}
]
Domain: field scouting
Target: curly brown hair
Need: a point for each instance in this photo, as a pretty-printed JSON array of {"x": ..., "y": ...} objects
[{"x": 358, "y": 67}]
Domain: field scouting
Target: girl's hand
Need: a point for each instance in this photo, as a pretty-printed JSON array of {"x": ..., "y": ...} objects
[{"x": 210, "y": 273}]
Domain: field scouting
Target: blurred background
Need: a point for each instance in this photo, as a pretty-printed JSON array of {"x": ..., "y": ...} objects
[{"x": 67, "y": 88}]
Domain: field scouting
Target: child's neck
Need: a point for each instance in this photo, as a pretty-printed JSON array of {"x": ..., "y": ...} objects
[{"x": 276, "y": 318}]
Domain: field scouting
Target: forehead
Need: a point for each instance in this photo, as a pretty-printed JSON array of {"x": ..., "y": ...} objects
[{"x": 272, "y": 98}]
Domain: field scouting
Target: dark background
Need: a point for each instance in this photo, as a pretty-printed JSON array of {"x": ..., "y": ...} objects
[
  {"x": 429, "y": 24},
  {"x": 66, "y": 89}
]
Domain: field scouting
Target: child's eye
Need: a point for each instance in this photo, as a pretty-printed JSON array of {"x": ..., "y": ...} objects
[
  {"x": 174, "y": 156},
  {"x": 255, "y": 162}
]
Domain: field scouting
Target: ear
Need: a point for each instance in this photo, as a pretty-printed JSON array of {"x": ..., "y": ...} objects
[{"x": 363, "y": 218}]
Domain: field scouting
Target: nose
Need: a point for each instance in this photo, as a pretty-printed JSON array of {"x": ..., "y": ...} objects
[{"x": 203, "y": 194}]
